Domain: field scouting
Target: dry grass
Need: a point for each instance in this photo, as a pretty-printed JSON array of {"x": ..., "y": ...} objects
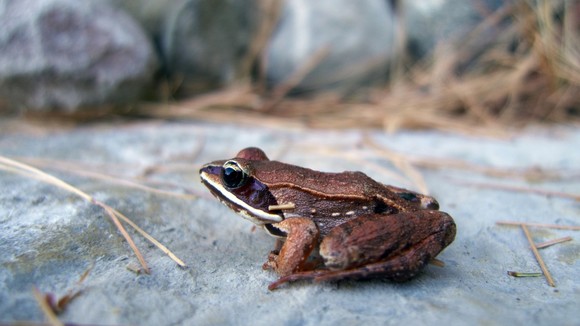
[{"x": 530, "y": 73}]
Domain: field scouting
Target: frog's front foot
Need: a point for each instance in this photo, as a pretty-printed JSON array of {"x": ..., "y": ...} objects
[{"x": 271, "y": 263}]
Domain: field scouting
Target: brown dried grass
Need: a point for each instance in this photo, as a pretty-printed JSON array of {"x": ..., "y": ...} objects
[{"x": 529, "y": 74}]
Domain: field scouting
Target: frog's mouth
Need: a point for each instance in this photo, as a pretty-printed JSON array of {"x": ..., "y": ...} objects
[{"x": 253, "y": 214}]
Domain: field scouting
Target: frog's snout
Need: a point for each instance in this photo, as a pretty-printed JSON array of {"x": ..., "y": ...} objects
[{"x": 430, "y": 203}]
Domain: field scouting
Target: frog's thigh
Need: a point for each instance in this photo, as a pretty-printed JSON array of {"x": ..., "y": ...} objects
[
  {"x": 400, "y": 268},
  {"x": 301, "y": 240},
  {"x": 369, "y": 239}
]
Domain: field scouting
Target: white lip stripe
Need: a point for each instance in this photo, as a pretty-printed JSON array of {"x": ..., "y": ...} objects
[{"x": 263, "y": 216}]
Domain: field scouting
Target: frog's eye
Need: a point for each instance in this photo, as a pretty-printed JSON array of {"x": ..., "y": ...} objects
[
  {"x": 233, "y": 176},
  {"x": 408, "y": 196}
]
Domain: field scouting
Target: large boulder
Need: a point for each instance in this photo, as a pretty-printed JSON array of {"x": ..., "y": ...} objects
[
  {"x": 62, "y": 55},
  {"x": 204, "y": 42},
  {"x": 340, "y": 43},
  {"x": 431, "y": 22}
]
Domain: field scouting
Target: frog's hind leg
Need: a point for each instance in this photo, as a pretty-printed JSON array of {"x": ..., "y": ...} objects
[
  {"x": 404, "y": 267},
  {"x": 394, "y": 247}
]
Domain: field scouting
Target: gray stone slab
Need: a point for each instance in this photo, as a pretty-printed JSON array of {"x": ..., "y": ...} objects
[{"x": 48, "y": 237}]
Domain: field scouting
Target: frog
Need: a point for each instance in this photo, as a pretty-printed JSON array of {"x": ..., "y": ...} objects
[{"x": 331, "y": 226}]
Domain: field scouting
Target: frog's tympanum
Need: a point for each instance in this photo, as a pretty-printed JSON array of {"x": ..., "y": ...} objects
[{"x": 334, "y": 225}]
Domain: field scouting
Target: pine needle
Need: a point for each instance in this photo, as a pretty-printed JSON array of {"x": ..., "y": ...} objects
[
  {"x": 46, "y": 309},
  {"x": 83, "y": 171},
  {"x": 29, "y": 171},
  {"x": 540, "y": 225},
  {"x": 552, "y": 242},
  {"x": 538, "y": 257},
  {"x": 535, "y": 247},
  {"x": 113, "y": 214},
  {"x": 530, "y": 190},
  {"x": 524, "y": 274}
]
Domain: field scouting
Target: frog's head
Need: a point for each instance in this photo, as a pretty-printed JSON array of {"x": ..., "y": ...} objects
[{"x": 233, "y": 183}]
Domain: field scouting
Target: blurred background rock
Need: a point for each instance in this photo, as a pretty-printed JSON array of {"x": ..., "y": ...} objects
[
  {"x": 64, "y": 55},
  {"x": 369, "y": 63}
]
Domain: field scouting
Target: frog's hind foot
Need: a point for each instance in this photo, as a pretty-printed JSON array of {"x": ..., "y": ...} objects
[
  {"x": 377, "y": 270},
  {"x": 309, "y": 275}
]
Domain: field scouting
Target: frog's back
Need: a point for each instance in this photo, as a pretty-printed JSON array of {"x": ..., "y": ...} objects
[{"x": 348, "y": 183}]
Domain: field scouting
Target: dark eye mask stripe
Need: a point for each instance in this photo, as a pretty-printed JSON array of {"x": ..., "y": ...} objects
[{"x": 238, "y": 205}]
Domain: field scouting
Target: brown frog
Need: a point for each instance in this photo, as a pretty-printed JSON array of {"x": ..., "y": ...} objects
[{"x": 335, "y": 225}]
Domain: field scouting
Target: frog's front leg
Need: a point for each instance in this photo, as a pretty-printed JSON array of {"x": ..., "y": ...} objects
[
  {"x": 302, "y": 237},
  {"x": 395, "y": 247}
]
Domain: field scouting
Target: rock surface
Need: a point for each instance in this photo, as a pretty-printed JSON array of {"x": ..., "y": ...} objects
[
  {"x": 63, "y": 55},
  {"x": 49, "y": 236}
]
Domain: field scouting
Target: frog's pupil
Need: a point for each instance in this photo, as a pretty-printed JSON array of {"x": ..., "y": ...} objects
[{"x": 233, "y": 177}]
